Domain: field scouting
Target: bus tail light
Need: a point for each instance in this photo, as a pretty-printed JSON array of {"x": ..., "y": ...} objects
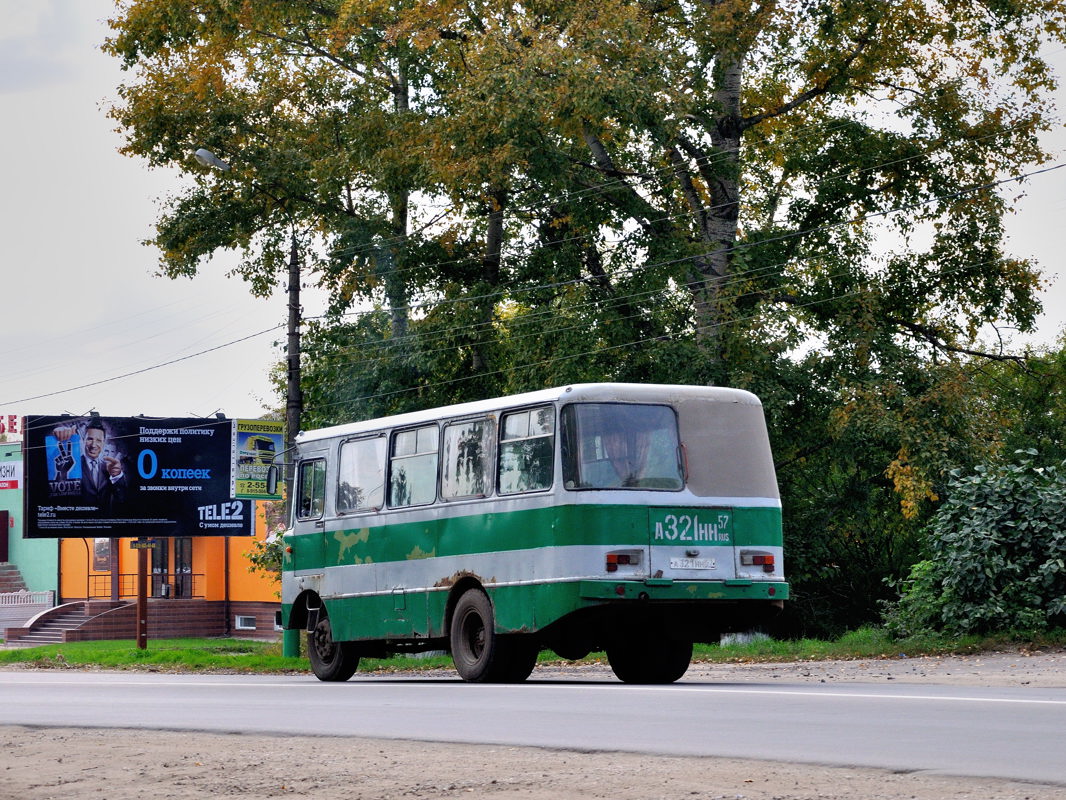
[
  {"x": 622, "y": 559},
  {"x": 764, "y": 560}
]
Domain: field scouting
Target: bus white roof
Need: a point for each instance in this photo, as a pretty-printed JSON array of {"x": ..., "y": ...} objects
[{"x": 577, "y": 392}]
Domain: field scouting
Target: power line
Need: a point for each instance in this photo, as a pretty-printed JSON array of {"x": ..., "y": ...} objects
[
  {"x": 588, "y": 353},
  {"x": 145, "y": 369},
  {"x": 382, "y": 350},
  {"x": 608, "y": 186},
  {"x": 670, "y": 262},
  {"x": 736, "y": 248}
]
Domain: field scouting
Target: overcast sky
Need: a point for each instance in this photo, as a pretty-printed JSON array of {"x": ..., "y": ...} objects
[{"x": 79, "y": 300}]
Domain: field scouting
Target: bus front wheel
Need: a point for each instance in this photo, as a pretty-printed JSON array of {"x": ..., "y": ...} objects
[
  {"x": 654, "y": 661},
  {"x": 330, "y": 660},
  {"x": 480, "y": 654}
]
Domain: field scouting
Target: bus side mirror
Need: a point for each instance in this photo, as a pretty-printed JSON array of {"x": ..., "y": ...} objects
[{"x": 272, "y": 479}]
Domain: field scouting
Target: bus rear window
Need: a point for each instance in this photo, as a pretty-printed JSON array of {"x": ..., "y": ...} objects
[{"x": 620, "y": 446}]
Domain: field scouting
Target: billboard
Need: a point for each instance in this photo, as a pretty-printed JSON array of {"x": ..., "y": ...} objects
[
  {"x": 118, "y": 477},
  {"x": 259, "y": 441}
]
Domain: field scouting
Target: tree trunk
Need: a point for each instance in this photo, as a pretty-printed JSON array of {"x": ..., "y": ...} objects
[
  {"x": 491, "y": 264},
  {"x": 399, "y": 202},
  {"x": 719, "y": 229},
  {"x": 395, "y": 286}
]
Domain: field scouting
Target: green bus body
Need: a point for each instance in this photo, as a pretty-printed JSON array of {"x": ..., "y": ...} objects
[{"x": 595, "y": 526}]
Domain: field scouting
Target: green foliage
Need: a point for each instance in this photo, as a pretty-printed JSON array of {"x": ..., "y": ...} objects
[
  {"x": 265, "y": 554},
  {"x": 1029, "y": 400},
  {"x": 503, "y": 196},
  {"x": 997, "y": 557}
]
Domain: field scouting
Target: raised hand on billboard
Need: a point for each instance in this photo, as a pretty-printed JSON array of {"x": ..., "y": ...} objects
[{"x": 63, "y": 460}]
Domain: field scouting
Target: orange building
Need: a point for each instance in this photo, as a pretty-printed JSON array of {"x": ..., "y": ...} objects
[{"x": 200, "y": 585}]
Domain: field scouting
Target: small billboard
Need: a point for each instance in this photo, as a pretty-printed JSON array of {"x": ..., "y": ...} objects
[
  {"x": 120, "y": 477},
  {"x": 10, "y": 474},
  {"x": 259, "y": 441}
]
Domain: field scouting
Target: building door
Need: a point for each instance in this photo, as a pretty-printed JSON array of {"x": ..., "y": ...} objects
[
  {"x": 183, "y": 566},
  {"x": 160, "y": 568}
]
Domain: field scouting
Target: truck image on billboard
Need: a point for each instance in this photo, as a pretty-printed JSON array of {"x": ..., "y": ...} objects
[{"x": 118, "y": 477}]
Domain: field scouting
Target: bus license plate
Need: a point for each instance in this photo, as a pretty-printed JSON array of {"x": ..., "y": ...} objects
[{"x": 693, "y": 563}]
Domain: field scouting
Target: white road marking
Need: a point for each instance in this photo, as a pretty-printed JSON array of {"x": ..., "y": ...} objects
[{"x": 414, "y": 684}]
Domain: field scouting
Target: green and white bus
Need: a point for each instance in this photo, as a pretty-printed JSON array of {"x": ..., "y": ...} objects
[{"x": 633, "y": 519}]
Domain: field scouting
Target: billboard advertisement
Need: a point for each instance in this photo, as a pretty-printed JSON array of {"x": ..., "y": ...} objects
[
  {"x": 121, "y": 477},
  {"x": 258, "y": 442}
]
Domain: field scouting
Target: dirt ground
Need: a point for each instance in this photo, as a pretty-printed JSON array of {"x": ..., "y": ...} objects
[{"x": 118, "y": 765}]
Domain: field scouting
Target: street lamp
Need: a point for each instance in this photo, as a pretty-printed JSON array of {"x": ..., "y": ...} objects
[
  {"x": 209, "y": 159},
  {"x": 293, "y": 393}
]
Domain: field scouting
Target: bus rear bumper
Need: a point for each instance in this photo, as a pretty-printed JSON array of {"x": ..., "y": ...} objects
[{"x": 673, "y": 591}]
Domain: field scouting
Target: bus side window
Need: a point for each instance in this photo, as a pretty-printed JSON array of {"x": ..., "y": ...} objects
[
  {"x": 361, "y": 483},
  {"x": 527, "y": 450},
  {"x": 413, "y": 467},
  {"x": 311, "y": 494},
  {"x": 467, "y": 457}
]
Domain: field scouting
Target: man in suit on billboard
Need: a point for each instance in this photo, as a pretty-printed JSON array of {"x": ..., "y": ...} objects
[{"x": 103, "y": 480}]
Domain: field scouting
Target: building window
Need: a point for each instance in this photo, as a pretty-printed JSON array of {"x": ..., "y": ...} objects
[{"x": 242, "y": 623}]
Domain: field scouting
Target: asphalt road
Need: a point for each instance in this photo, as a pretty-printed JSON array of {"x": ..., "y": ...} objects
[{"x": 1017, "y": 733}]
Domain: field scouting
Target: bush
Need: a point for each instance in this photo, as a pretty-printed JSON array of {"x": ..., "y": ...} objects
[{"x": 997, "y": 556}]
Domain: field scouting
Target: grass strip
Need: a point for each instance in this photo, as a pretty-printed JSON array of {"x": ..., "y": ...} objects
[{"x": 248, "y": 656}]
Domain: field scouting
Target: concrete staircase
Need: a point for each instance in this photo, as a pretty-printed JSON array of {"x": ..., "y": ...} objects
[
  {"x": 63, "y": 623},
  {"x": 17, "y": 604},
  {"x": 11, "y": 579},
  {"x": 52, "y": 629},
  {"x": 93, "y": 620}
]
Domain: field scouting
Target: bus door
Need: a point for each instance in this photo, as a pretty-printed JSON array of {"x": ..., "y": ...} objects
[
  {"x": 308, "y": 510},
  {"x": 691, "y": 543}
]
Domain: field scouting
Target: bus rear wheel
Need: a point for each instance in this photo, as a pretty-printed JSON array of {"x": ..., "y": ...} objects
[
  {"x": 480, "y": 654},
  {"x": 330, "y": 660},
  {"x": 521, "y": 655},
  {"x": 644, "y": 661}
]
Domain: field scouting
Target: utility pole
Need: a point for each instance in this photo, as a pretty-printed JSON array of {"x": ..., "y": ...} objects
[
  {"x": 294, "y": 401},
  {"x": 294, "y": 406}
]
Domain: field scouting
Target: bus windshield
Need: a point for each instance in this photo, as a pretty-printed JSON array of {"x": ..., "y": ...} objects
[{"x": 620, "y": 446}]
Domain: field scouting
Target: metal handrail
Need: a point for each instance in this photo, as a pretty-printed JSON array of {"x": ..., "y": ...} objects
[{"x": 179, "y": 586}]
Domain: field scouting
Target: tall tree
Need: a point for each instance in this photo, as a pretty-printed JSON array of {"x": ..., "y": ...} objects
[{"x": 797, "y": 197}]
